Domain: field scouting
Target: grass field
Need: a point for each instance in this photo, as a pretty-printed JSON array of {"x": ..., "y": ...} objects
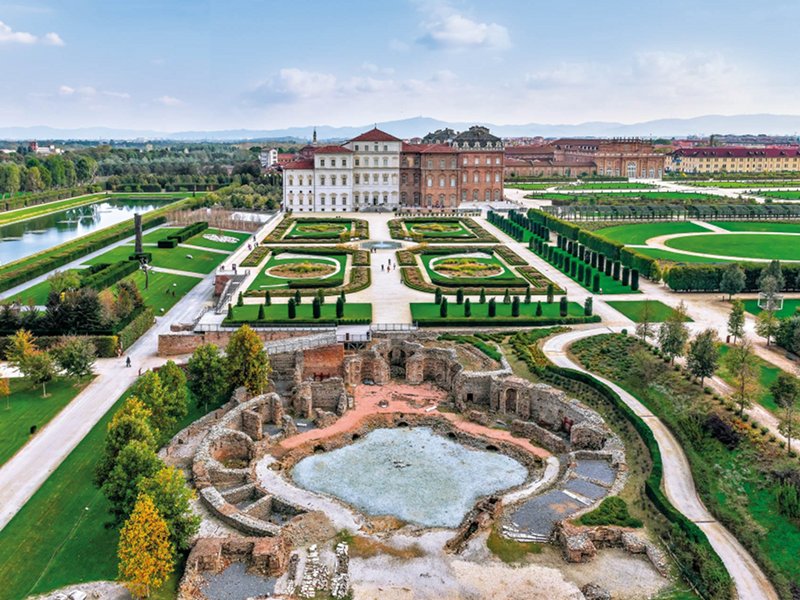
[
  {"x": 634, "y": 310},
  {"x": 782, "y": 195},
  {"x": 199, "y": 240},
  {"x": 767, "y": 374},
  {"x": 152, "y": 237},
  {"x": 639, "y": 233},
  {"x": 533, "y": 186},
  {"x": 48, "y": 207},
  {"x": 625, "y": 197},
  {"x": 742, "y": 184},
  {"x": 38, "y": 292},
  {"x": 318, "y": 229},
  {"x": 790, "y": 307},
  {"x": 608, "y": 185},
  {"x": 162, "y": 285},
  {"x": 265, "y": 281},
  {"x": 27, "y": 407},
  {"x": 426, "y": 311},
  {"x": 438, "y": 229},
  {"x": 279, "y": 313},
  {"x": 168, "y": 258},
  {"x": 60, "y": 535},
  {"x": 741, "y": 245},
  {"x": 679, "y": 256},
  {"x": 757, "y": 226}
]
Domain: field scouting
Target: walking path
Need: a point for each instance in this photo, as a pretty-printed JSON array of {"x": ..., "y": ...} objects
[
  {"x": 750, "y": 581},
  {"x": 660, "y": 242}
]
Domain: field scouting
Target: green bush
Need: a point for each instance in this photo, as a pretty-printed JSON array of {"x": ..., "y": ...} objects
[
  {"x": 612, "y": 511},
  {"x": 136, "y": 328},
  {"x": 108, "y": 276}
]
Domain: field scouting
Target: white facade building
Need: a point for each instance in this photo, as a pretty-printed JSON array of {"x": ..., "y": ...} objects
[
  {"x": 298, "y": 186},
  {"x": 376, "y": 170},
  {"x": 333, "y": 175}
]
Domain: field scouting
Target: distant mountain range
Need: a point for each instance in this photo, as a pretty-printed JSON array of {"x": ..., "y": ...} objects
[{"x": 419, "y": 126}]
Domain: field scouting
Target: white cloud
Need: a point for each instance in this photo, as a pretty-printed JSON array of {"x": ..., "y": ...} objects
[
  {"x": 120, "y": 95},
  {"x": 66, "y": 90},
  {"x": 292, "y": 84},
  {"x": 52, "y": 39},
  {"x": 9, "y": 36},
  {"x": 451, "y": 30},
  {"x": 169, "y": 101}
]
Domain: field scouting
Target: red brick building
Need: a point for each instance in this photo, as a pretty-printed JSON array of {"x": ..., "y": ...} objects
[{"x": 429, "y": 176}]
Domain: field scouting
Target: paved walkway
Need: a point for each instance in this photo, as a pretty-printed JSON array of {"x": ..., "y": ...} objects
[{"x": 750, "y": 581}]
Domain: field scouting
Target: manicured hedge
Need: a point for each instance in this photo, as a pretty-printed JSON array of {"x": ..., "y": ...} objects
[
  {"x": 180, "y": 236},
  {"x": 105, "y": 345},
  {"x": 706, "y": 277},
  {"x": 136, "y": 328},
  {"x": 25, "y": 200},
  {"x": 108, "y": 276},
  {"x": 521, "y": 321}
]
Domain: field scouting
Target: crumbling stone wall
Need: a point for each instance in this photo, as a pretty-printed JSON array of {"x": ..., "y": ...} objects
[
  {"x": 329, "y": 395},
  {"x": 176, "y": 343},
  {"x": 323, "y": 362}
]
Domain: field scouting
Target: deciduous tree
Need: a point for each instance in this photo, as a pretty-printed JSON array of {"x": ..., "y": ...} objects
[
  {"x": 767, "y": 325},
  {"x": 644, "y": 328},
  {"x": 741, "y": 364},
  {"x": 703, "y": 356},
  {"x": 173, "y": 382},
  {"x": 673, "y": 333},
  {"x": 130, "y": 422},
  {"x": 75, "y": 356},
  {"x": 786, "y": 391},
  {"x": 207, "y": 376},
  {"x": 248, "y": 362},
  {"x": 736, "y": 320},
  {"x": 135, "y": 462},
  {"x": 172, "y": 498},
  {"x": 732, "y": 280},
  {"x": 146, "y": 556}
]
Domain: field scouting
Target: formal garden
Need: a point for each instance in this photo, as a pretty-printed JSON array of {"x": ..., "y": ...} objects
[
  {"x": 300, "y": 311},
  {"x": 306, "y": 230},
  {"x": 439, "y": 229}
]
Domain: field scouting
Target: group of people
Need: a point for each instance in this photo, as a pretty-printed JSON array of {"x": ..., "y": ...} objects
[{"x": 389, "y": 266}]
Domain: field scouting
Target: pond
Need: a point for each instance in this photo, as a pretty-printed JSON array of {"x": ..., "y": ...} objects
[
  {"x": 24, "y": 238},
  {"x": 413, "y": 474}
]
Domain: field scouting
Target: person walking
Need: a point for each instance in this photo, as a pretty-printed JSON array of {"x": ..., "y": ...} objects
[{"x": 128, "y": 361}]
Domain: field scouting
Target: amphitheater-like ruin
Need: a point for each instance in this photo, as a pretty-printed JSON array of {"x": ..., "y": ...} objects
[{"x": 411, "y": 449}]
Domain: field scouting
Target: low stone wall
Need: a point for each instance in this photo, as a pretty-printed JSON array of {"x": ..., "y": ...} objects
[{"x": 177, "y": 343}]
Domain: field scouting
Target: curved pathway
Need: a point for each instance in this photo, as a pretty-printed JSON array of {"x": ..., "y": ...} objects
[
  {"x": 660, "y": 242},
  {"x": 749, "y": 579}
]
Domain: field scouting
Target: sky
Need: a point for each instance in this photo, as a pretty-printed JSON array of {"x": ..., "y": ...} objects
[{"x": 173, "y": 65}]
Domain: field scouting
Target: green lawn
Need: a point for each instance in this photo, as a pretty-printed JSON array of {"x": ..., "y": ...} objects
[
  {"x": 152, "y": 237},
  {"x": 607, "y": 283},
  {"x": 767, "y": 374},
  {"x": 264, "y": 281},
  {"x": 742, "y": 184},
  {"x": 169, "y": 258},
  {"x": 609, "y": 185},
  {"x": 610, "y": 198},
  {"x": 199, "y": 240},
  {"x": 790, "y": 307},
  {"x": 757, "y": 226},
  {"x": 434, "y": 229},
  {"x": 279, "y": 313},
  {"x": 764, "y": 245},
  {"x": 39, "y": 293},
  {"x": 678, "y": 256},
  {"x": 27, "y": 407},
  {"x": 48, "y": 207},
  {"x": 314, "y": 229},
  {"x": 427, "y": 311},
  {"x": 634, "y": 309},
  {"x": 159, "y": 296},
  {"x": 782, "y": 195},
  {"x": 60, "y": 535},
  {"x": 533, "y": 186},
  {"x": 468, "y": 276},
  {"x": 639, "y": 233}
]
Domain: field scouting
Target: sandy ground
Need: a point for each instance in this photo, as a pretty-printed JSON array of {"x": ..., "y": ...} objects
[{"x": 96, "y": 590}]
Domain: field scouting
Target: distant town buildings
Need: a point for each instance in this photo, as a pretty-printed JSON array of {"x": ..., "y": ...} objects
[
  {"x": 35, "y": 148},
  {"x": 377, "y": 171},
  {"x": 732, "y": 159}
]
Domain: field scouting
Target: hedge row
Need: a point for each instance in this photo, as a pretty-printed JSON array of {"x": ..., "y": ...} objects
[
  {"x": 708, "y": 573},
  {"x": 136, "y": 328},
  {"x": 706, "y": 277},
  {"x": 110, "y": 275},
  {"x": 506, "y": 321},
  {"x": 398, "y": 232},
  {"x": 360, "y": 278},
  {"x": 180, "y": 236},
  {"x": 412, "y": 277},
  {"x": 43, "y": 262},
  {"x": 288, "y": 321},
  {"x": 25, "y": 200}
]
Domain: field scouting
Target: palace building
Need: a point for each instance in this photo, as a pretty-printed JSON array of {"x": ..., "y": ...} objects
[
  {"x": 377, "y": 171},
  {"x": 735, "y": 159}
]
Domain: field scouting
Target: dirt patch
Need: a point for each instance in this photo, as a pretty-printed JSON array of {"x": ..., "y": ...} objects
[{"x": 365, "y": 547}]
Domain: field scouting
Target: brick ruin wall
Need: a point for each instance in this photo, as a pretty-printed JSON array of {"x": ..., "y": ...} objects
[{"x": 183, "y": 342}]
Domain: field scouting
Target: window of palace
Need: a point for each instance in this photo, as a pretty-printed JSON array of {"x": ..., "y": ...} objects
[
  {"x": 291, "y": 180},
  {"x": 321, "y": 162},
  {"x": 429, "y": 181},
  {"x": 322, "y": 179},
  {"x": 344, "y": 179},
  {"x": 358, "y": 161},
  {"x": 442, "y": 163},
  {"x": 441, "y": 182},
  {"x": 385, "y": 162},
  {"x": 452, "y": 181}
]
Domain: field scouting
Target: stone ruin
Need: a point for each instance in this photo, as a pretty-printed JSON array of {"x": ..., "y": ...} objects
[{"x": 317, "y": 577}]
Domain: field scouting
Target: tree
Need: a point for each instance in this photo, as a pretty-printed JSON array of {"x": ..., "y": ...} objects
[
  {"x": 703, "y": 355},
  {"x": 736, "y": 320},
  {"x": 740, "y": 361},
  {"x": 515, "y": 307},
  {"x": 39, "y": 368},
  {"x": 482, "y": 298},
  {"x": 492, "y": 310},
  {"x": 786, "y": 390},
  {"x": 207, "y": 377},
  {"x": 261, "y": 315},
  {"x": 460, "y": 296},
  {"x": 267, "y": 298},
  {"x": 320, "y": 296},
  {"x": 507, "y": 297},
  {"x": 467, "y": 308},
  {"x": 172, "y": 498},
  {"x": 173, "y": 382},
  {"x": 149, "y": 389},
  {"x": 298, "y": 297},
  {"x": 644, "y": 328},
  {"x": 596, "y": 283},
  {"x": 771, "y": 278},
  {"x": 551, "y": 292},
  {"x": 131, "y": 422},
  {"x": 248, "y": 362},
  {"x": 528, "y": 295},
  {"x": 437, "y": 295},
  {"x": 75, "y": 355},
  {"x": 767, "y": 325},
  {"x": 146, "y": 557},
  {"x": 443, "y": 308},
  {"x": 563, "y": 307},
  {"x": 62, "y": 281},
  {"x": 240, "y": 301},
  {"x": 539, "y": 308},
  {"x": 673, "y": 333},
  {"x": 587, "y": 307},
  {"x": 135, "y": 462},
  {"x": 343, "y": 297},
  {"x": 316, "y": 308},
  {"x": 5, "y": 392},
  {"x": 732, "y": 280},
  {"x": 22, "y": 345},
  {"x": 339, "y": 308},
  {"x": 291, "y": 308}
]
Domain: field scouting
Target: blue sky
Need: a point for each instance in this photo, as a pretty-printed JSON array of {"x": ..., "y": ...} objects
[{"x": 207, "y": 64}]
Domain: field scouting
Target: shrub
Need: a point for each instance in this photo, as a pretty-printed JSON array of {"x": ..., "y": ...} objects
[
  {"x": 136, "y": 328},
  {"x": 443, "y": 308},
  {"x": 612, "y": 511}
]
